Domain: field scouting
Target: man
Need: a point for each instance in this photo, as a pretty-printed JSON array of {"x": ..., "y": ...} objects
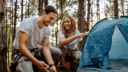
[{"x": 31, "y": 33}]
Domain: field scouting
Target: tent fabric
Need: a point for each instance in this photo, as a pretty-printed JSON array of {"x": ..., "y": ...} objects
[
  {"x": 123, "y": 26},
  {"x": 99, "y": 43},
  {"x": 119, "y": 47}
]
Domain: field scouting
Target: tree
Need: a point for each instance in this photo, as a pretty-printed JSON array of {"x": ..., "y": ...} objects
[
  {"x": 116, "y": 9},
  {"x": 15, "y": 20},
  {"x": 109, "y": 9},
  {"x": 127, "y": 9},
  {"x": 98, "y": 11},
  {"x": 56, "y": 32},
  {"x": 61, "y": 7},
  {"x": 3, "y": 47},
  {"x": 28, "y": 8},
  {"x": 31, "y": 8},
  {"x": 40, "y": 7},
  {"x": 46, "y": 2},
  {"x": 21, "y": 10},
  {"x": 82, "y": 25},
  {"x": 80, "y": 15},
  {"x": 88, "y": 16},
  {"x": 122, "y": 4}
]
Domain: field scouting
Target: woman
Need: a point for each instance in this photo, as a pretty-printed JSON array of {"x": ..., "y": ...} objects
[{"x": 69, "y": 36}]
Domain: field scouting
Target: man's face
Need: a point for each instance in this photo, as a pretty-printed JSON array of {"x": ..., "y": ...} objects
[{"x": 49, "y": 18}]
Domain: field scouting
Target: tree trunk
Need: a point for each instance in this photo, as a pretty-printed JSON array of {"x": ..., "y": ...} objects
[
  {"x": 85, "y": 11},
  {"x": 40, "y": 7},
  {"x": 116, "y": 9},
  {"x": 61, "y": 7},
  {"x": 12, "y": 28},
  {"x": 21, "y": 10},
  {"x": 98, "y": 11},
  {"x": 122, "y": 4},
  {"x": 88, "y": 16},
  {"x": 28, "y": 7},
  {"x": 15, "y": 18},
  {"x": 82, "y": 25},
  {"x": 81, "y": 14},
  {"x": 127, "y": 9},
  {"x": 106, "y": 12},
  {"x": 6, "y": 36},
  {"x": 3, "y": 47},
  {"x": 91, "y": 17},
  {"x": 57, "y": 24},
  {"x": 46, "y": 3}
]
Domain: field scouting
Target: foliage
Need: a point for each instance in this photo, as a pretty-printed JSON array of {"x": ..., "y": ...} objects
[
  {"x": 109, "y": 11},
  {"x": 64, "y": 7}
]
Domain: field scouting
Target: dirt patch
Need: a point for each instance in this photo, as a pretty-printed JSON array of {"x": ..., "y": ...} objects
[{"x": 117, "y": 65}]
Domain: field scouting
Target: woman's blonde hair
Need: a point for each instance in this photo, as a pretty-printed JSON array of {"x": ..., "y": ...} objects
[{"x": 73, "y": 26}]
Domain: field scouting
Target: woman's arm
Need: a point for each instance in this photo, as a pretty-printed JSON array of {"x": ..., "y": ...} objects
[{"x": 64, "y": 41}]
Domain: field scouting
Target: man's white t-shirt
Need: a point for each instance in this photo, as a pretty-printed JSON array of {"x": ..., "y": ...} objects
[{"x": 36, "y": 35}]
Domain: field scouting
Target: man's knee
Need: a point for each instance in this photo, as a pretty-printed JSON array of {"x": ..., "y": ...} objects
[
  {"x": 55, "y": 51},
  {"x": 59, "y": 52},
  {"x": 24, "y": 66}
]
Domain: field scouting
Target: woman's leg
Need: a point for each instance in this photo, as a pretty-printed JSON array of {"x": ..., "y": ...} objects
[
  {"x": 75, "y": 60},
  {"x": 77, "y": 54}
]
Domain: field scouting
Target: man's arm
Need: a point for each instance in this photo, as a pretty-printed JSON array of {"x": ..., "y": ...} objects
[
  {"x": 23, "y": 38},
  {"x": 47, "y": 53}
]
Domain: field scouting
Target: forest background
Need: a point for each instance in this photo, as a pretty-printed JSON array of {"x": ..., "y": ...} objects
[{"x": 86, "y": 13}]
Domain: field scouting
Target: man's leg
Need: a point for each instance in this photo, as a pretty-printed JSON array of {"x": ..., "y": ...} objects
[
  {"x": 24, "y": 66},
  {"x": 56, "y": 54}
]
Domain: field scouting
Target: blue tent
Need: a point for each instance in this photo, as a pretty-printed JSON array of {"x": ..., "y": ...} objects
[{"x": 108, "y": 39}]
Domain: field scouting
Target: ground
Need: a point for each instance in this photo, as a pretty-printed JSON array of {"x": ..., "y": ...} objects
[{"x": 118, "y": 65}]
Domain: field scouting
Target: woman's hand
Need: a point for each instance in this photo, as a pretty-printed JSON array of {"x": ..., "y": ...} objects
[{"x": 81, "y": 35}]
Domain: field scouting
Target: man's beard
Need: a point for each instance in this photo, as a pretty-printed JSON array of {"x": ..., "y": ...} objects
[{"x": 44, "y": 22}]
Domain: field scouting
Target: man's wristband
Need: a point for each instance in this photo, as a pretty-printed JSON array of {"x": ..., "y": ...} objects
[{"x": 52, "y": 64}]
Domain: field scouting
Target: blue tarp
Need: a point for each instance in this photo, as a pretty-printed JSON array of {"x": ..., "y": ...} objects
[{"x": 99, "y": 43}]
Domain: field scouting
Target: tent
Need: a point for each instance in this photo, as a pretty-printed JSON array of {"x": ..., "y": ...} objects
[{"x": 108, "y": 39}]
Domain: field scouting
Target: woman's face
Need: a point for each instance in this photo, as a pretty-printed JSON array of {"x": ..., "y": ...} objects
[{"x": 67, "y": 23}]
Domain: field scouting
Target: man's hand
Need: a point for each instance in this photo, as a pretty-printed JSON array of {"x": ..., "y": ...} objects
[
  {"x": 42, "y": 66},
  {"x": 53, "y": 69}
]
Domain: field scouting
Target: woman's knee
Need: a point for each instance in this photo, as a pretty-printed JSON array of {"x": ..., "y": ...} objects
[{"x": 77, "y": 54}]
